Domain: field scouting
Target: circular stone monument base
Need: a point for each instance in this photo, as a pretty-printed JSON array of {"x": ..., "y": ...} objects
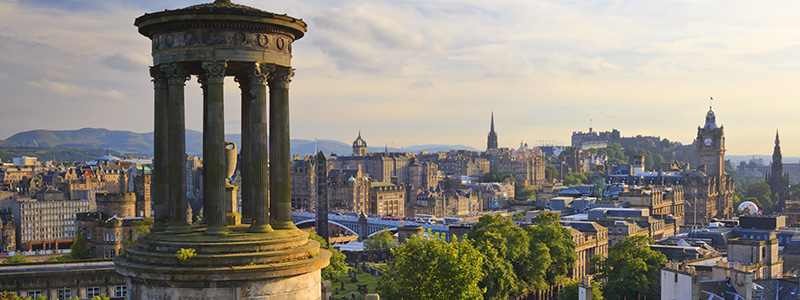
[{"x": 283, "y": 264}]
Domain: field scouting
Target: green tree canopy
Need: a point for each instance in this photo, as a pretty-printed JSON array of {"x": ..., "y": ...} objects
[
  {"x": 550, "y": 172},
  {"x": 337, "y": 266},
  {"x": 382, "y": 240},
  {"x": 494, "y": 176},
  {"x": 505, "y": 249},
  {"x": 429, "y": 267},
  {"x": 557, "y": 240},
  {"x": 78, "y": 249},
  {"x": 762, "y": 192},
  {"x": 631, "y": 268},
  {"x": 575, "y": 179}
]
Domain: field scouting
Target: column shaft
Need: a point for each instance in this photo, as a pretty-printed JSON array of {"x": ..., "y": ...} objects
[
  {"x": 176, "y": 140},
  {"x": 246, "y": 168},
  {"x": 160, "y": 173},
  {"x": 279, "y": 153},
  {"x": 214, "y": 149},
  {"x": 258, "y": 148}
]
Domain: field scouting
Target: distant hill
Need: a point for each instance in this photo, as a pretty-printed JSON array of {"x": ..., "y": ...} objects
[
  {"x": 735, "y": 159},
  {"x": 141, "y": 144},
  {"x": 58, "y": 153}
]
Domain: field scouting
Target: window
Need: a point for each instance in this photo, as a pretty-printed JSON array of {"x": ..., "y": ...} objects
[
  {"x": 34, "y": 293},
  {"x": 121, "y": 291},
  {"x": 93, "y": 291},
  {"x": 64, "y": 293}
]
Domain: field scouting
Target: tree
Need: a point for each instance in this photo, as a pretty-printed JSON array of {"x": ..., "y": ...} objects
[
  {"x": 574, "y": 179},
  {"x": 570, "y": 291},
  {"x": 337, "y": 266},
  {"x": 631, "y": 268},
  {"x": 665, "y": 143},
  {"x": 550, "y": 172},
  {"x": 557, "y": 240},
  {"x": 78, "y": 249},
  {"x": 429, "y": 267},
  {"x": 526, "y": 193},
  {"x": 505, "y": 250},
  {"x": 494, "y": 176},
  {"x": 17, "y": 258},
  {"x": 381, "y": 241},
  {"x": 762, "y": 192}
]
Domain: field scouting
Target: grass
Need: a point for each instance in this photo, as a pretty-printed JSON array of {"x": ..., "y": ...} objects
[{"x": 363, "y": 278}]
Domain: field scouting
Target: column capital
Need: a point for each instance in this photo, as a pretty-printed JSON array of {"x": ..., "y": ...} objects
[
  {"x": 159, "y": 77},
  {"x": 215, "y": 71},
  {"x": 243, "y": 80},
  {"x": 203, "y": 81},
  {"x": 281, "y": 77},
  {"x": 259, "y": 74},
  {"x": 176, "y": 74}
]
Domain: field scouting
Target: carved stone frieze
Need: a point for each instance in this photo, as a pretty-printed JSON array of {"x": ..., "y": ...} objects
[{"x": 207, "y": 37}]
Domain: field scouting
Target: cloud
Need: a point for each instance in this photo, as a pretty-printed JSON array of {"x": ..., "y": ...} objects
[
  {"x": 596, "y": 65},
  {"x": 4, "y": 76},
  {"x": 127, "y": 61},
  {"x": 65, "y": 89},
  {"x": 421, "y": 84}
]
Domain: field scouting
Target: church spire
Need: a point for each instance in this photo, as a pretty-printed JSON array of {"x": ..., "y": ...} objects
[{"x": 491, "y": 143}]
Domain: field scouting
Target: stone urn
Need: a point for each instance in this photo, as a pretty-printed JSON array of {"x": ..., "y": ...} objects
[{"x": 230, "y": 159}]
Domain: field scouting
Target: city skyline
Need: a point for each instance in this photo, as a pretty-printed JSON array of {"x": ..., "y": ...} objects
[{"x": 417, "y": 72}]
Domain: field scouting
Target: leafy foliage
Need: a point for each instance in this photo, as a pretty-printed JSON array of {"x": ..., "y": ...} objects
[
  {"x": 494, "y": 176},
  {"x": 429, "y": 267},
  {"x": 575, "y": 179},
  {"x": 550, "y": 172},
  {"x": 505, "y": 250},
  {"x": 631, "y": 268},
  {"x": 525, "y": 193},
  {"x": 17, "y": 258},
  {"x": 337, "y": 266},
  {"x": 381, "y": 241},
  {"x": 143, "y": 226},
  {"x": 549, "y": 233},
  {"x": 760, "y": 194},
  {"x": 570, "y": 291}
]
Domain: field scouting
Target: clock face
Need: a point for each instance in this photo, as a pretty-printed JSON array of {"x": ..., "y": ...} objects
[{"x": 707, "y": 141}]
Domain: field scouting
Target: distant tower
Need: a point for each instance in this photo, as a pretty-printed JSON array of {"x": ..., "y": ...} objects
[
  {"x": 492, "y": 141},
  {"x": 778, "y": 182},
  {"x": 359, "y": 146}
]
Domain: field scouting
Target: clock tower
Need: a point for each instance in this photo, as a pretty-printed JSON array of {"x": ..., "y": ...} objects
[{"x": 710, "y": 146}]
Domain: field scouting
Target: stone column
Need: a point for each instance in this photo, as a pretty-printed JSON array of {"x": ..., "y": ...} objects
[
  {"x": 279, "y": 154},
  {"x": 159, "y": 182},
  {"x": 258, "y": 147},
  {"x": 177, "y": 76},
  {"x": 214, "y": 149},
  {"x": 246, "y": 167}
]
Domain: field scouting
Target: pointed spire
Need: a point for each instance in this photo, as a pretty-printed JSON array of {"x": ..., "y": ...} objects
[
  {"x": 492, "y": 130},
  {"x": 777, "y": 138}
]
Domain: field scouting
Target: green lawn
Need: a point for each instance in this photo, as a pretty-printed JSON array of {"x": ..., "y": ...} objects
[{"x": 363, "y": 278}]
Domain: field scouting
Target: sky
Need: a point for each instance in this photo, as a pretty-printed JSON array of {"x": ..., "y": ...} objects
[{"x": 412, "y": 72}]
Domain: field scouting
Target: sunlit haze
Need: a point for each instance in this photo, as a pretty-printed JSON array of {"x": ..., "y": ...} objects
[{"x": 412, "y": 72}]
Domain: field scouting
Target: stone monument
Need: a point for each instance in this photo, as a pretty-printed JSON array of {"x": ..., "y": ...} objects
[{"x": 266, "y": 257}]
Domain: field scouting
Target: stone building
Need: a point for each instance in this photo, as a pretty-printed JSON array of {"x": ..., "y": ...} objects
[
  {"x": 624, "y": 222},
  {"x": 387, "y": 199},
  {"x": 526, "y": 166},
  {"x": 304, "y": 184},
  {"x": 423, "y": 174},
  {"x": 46, "y": 225},
  {"x": 64, "y": 280},
  {"x": 462, "y": 165},
  {"x": 107, "y": 229},
  {"x": 590, "y": 239},
  {"x": 759, "y": 255},
  {"x": 348, "y": 190},
  {"x": 709, "y": 185},
  {"x": 663, "y": 203},
  {"x": 359, "y": 146}
]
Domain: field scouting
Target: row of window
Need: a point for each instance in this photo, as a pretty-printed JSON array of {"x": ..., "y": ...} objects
[{"x": 91, "y": 292}]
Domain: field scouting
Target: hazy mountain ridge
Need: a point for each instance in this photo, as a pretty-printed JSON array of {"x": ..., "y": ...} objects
[{"x": 129, "y": 142}]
